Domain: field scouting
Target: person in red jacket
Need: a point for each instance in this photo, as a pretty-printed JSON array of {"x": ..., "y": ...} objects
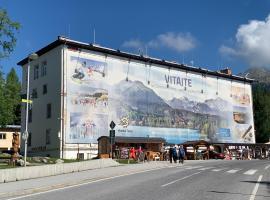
[{"x": 132, "y": 153}]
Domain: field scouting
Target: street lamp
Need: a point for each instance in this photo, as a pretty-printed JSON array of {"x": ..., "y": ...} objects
[{"x": 31, "y": 57}]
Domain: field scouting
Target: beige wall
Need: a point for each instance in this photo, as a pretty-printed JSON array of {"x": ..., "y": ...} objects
[{"x": 6, "y": 144}]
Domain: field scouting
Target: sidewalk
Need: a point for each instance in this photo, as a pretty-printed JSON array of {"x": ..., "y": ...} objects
[{"x": 25, "y": 187}]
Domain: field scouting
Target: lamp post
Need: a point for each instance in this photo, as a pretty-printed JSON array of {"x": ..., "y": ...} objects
[{"x": 31, "y": 57}]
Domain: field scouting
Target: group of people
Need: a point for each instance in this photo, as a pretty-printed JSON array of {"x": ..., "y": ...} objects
[
  {"x": 136, "y": 153},
  {"x": 177, "y": 153}
]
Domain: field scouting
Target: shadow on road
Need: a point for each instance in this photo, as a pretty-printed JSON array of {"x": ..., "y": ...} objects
[
  {"x": 220, "y": 192},
  {"x": 267, "y": 183}
]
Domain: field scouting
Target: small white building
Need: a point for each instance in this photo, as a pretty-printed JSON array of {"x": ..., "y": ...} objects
[
  {"x": 6, "y": 136},
  {"x": 78, "y": 88}
]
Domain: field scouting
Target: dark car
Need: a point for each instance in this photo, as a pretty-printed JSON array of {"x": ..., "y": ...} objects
[{"x": 216, "y": 155}]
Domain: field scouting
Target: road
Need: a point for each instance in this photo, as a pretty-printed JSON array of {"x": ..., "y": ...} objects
[{"x": 241, "y": 180}]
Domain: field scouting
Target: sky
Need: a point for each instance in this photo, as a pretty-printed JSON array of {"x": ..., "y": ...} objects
[{"x": 209, "y": 34}]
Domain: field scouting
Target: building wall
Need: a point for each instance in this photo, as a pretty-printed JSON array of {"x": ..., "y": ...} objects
[
  {"x": 6, "y": 144},
  {"x": 40, "y": 123},
  {"x": 88, "y": 90}
]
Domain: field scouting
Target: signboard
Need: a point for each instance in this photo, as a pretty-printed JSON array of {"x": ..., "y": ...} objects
[
  {"x": 26, "y": 101},
  {"x": 151, "y": 101},
  {"x": 112, "y": 125},
  {"x": 112, "y": 136}
]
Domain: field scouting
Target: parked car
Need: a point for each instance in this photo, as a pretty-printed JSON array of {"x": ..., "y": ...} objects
[{"x": 216, "y": 155}]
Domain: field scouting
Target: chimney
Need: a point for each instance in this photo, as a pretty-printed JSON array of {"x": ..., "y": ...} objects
[{"x": 227, "y": 71}]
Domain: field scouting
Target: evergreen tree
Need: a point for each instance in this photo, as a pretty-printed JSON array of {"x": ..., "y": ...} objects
[
  {"x": 261, "y": 104},
  {"x": 5, "y": 112},
  {"x": 12, "y": 94}
]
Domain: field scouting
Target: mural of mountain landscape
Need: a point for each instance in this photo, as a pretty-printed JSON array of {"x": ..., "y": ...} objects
[{"x": 144, "y": 107}]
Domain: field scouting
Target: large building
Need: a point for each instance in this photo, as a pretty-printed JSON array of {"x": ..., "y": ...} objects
[{"x": 78, "y": 89}]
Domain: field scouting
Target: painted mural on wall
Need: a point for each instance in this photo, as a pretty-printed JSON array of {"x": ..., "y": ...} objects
[{"x": 149, "y": 101}]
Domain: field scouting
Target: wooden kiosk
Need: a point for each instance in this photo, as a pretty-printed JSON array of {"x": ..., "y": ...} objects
[
  {"x": 122, "y": 145},
  {"x": 196, "y": 150}
]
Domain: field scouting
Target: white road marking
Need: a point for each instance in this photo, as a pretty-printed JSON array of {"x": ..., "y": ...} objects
[
  {"x": 179, "y": 179},
  {"x": 267, "y": 167},
  {"x": 233, "y": 171},
  {"x": 253, "y": 194},
  {"x": 205, "y": 168},
  {"x": 217, "y": 170},
  {"x": 194, "y": 167},
  {"x": 85, "y": 183},
  {"x": 250, "y": 172}
]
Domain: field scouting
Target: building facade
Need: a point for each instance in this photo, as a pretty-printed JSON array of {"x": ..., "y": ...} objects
[{"x": 78, "y": 89}]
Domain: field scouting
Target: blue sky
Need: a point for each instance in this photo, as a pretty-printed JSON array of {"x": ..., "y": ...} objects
[{"x": 210, "y": 34}]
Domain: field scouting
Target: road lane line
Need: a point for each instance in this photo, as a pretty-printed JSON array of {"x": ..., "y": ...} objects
[
  {"x": 193, "y": 167},
  {"x": 217, "y": 170},
  {"x": 253, "y": 194},
  {"x": 205, "y": 168},
  {"x": 267, "y": 167},
  {"x": 179, "y": 179},
  {"x": 233, "y": 171},
  {"x": 250, "y": 172},
  {"x": 85, "y": 183}
]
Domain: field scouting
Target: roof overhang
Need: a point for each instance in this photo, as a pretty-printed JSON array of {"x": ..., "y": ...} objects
[{"x": 107, "y": 51}]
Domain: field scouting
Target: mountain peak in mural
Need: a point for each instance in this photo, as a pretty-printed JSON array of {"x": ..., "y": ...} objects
[
  {"x": 209, "y": 106},
  {"x": 136, "y": 94}
]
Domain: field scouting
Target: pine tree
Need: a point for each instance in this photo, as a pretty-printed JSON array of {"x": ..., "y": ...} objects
[
  {"x": 12, "y": 94},
  {"x": 261, "y": 104},
  {"x": 5, "y": 115}
]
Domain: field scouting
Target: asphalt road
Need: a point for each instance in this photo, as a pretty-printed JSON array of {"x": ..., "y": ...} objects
[{"x": 241, "y": 180}]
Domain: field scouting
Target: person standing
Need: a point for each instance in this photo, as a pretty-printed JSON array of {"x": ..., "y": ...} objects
[
  {"x": 140, "y": 154},
  {"x": 171, "y": 154},
  {"x": 174, "y": 154},
  {"x": 181, "y": 154},
  {"x": 132, "y": 153}
]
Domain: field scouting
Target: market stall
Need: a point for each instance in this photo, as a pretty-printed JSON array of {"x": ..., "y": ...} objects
[{"x": 150, "y": 147}]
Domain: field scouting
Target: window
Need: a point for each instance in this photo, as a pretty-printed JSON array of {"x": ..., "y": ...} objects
[
  {"x": 3, "y": 136},
  {"x": 29, "y": 139},
  {"x": 34, "y": 93},
  {"x": 30, "y": 115},
  {"x": 36, "y": 69},
  {"x": 45, "y": 89},
  {"x": 49, "y": 110},
  {"x": 48, "y": 136},
  {"x": 43, "y": 68}
]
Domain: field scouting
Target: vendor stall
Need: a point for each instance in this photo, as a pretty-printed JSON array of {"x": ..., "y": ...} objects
[{"x": 150, "y": 147}]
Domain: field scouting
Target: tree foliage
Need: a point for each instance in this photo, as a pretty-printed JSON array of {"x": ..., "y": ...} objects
[
  {"x": 261, "y": 104},
  {"x": 7, "y": 34},
  {"x": 12, "y": 93},
  {"x": 9, "y": 99}
]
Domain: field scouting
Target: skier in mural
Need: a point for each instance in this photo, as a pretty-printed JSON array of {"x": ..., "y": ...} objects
[{"x": 79, "y": 74}]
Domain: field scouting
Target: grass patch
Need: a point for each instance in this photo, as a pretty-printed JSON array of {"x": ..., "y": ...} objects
[{"x": 6, "y": 166}]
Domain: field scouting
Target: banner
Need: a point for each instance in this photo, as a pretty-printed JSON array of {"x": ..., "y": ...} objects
[{"x": 152, "y": 101}]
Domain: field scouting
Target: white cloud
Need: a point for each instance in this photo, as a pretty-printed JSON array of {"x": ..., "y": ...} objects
[
  {"x": 133, "y": 43},
  {"x": 252, "y": 43},
  {"x": 179, "y": 42}
]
